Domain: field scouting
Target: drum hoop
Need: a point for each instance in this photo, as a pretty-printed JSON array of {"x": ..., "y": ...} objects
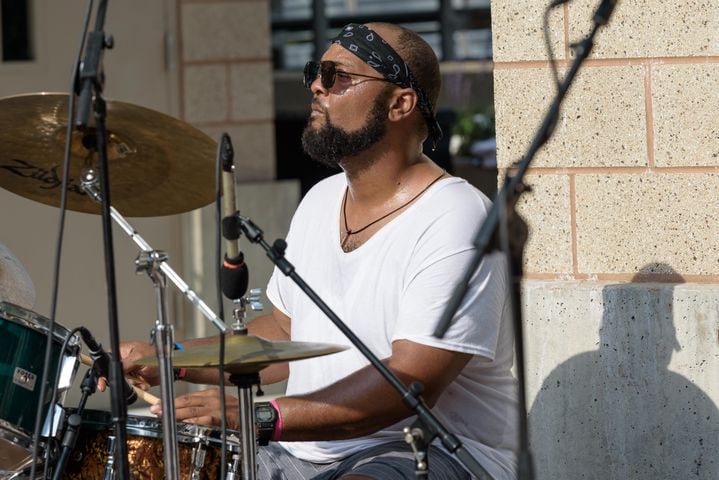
[
  {"x": 11, "y": 433},
  {"x": 152, "y": 428},
  {"x": 33, "y": 321}
]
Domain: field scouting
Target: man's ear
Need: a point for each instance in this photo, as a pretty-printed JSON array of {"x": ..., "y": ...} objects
[{"x": 402, "y": 103}]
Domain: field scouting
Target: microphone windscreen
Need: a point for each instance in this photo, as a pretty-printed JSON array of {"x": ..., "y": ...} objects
[{"x": 234, "y": 277}]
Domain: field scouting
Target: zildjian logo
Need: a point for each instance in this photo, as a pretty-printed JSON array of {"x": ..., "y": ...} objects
[{"x": 48, "y": 178}]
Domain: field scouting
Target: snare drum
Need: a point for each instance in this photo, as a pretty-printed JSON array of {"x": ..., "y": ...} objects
[
  {"x": 199, "y": 449},
  {"x": 23, "y": 336}
]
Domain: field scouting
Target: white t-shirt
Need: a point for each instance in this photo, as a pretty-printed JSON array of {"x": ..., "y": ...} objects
[{"x": 395, "y": 286}]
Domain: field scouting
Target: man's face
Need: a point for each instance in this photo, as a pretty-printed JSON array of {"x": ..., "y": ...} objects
[
  {"x": 330, "y": 143},
  {"x": 349, "y": 117}
]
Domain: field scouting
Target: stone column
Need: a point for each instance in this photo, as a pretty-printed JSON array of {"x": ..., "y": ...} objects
[{"x": 621, "y": 304}]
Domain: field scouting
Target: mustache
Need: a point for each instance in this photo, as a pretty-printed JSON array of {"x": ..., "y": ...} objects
[{"x": 316, "y": 105}]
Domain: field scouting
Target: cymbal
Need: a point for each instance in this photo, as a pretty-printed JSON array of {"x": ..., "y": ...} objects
[
  {"x": 246, "y": 354},
  {"x": 158, "y": 165}
]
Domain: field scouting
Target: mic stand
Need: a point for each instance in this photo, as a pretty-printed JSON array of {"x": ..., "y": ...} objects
[
  {"x": 91, "y": 80},
  {"x": 73, "y": 422},
  {"x": 426, "y": 420},
  {"x": 503, "y": 210}
]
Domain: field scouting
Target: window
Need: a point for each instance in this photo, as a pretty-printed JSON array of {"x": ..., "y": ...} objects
[
  {"x": 16, "y": 44},
  {"x": 456, "y": 29}
]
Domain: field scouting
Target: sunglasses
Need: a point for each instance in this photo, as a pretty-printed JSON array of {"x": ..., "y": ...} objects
[{"x": 329, "y": 74}]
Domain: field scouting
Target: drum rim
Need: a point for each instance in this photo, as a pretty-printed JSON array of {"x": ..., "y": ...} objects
[
  {"x": 28, "y": 318},
  {"x": 24, "y": 443},
  {"x": 151, "y": 427},
  {"x": 11, "y": 433}
]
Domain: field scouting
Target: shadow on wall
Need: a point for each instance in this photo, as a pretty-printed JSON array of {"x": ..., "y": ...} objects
[{"x": 619, "y": 412}]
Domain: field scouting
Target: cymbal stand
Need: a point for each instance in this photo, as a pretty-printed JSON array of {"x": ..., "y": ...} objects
[
  {"x": 248, "y": 442},
  {"x": 239, "y": 310},
  {"x": 163, "y": 338},
  {"x": 244, "y": 384},
  {"x": 155, "y": 263},
  {"x": 89, "y": 185}
]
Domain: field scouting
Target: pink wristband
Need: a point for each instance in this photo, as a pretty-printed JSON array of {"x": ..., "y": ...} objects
[{"x": 277, "y": 434}]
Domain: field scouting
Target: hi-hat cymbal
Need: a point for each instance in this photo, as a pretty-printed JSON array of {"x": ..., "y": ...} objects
[
  {"x": 246, "y": 354},
  {"x": 158, "y": 165}
]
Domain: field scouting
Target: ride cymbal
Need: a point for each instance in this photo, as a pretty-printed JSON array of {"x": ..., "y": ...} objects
[
  {"x": 246, "y": 354},
  {"x": 158, "y": 165}
]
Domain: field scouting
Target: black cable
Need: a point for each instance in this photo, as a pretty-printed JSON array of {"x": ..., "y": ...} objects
[
  {"x": 220, "y": 309},
  {"x": 58, "y": 249}
]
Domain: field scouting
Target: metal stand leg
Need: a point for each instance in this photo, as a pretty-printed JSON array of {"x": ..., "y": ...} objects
[
  {"x": 244, "y": 383},
  {"x": 164, "y": 340}
]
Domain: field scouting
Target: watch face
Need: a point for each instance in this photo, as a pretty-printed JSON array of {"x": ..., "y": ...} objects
[{"x": 265, "y": 414}]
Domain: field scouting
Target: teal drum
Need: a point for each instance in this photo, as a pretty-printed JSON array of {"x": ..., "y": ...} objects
[{"x": 23, "y": 336}]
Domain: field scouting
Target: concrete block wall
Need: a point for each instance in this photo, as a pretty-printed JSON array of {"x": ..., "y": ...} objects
[
  {"x": 621, "y": 300},
  {"x": 226, "y": 78}
]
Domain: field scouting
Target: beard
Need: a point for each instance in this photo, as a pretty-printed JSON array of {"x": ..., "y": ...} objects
[{"x": 330, "y": 144}]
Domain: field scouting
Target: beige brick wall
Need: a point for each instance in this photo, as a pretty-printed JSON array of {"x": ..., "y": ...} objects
[
  {"x": 630, "y": 175},
  {"x": 621, "y": 269},
  {"x": 226, "y": 78}
]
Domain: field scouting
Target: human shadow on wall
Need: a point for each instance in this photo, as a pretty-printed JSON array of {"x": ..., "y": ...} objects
[{"x": 619, "y": 412}]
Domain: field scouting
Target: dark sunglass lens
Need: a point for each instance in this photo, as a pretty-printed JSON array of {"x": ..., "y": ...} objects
[
  {"x": 310, "y": 73},
  {"x": 328, "y": 71}
]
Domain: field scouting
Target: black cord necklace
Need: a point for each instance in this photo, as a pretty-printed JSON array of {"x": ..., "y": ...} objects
[{"x": 349, "y": 232}]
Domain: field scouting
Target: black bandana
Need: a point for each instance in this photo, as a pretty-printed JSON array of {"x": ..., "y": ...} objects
[{"x": 378, "y": 54}]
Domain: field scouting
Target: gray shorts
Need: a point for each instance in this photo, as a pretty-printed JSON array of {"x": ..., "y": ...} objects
[{"x": 392, "y": 460}]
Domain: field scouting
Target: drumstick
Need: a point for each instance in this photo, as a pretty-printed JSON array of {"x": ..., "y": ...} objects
[{"x": 143, "y": 395}]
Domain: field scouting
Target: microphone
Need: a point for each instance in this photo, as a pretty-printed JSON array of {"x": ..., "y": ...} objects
[
  {"x": 234, "y": 276},
  {"x": 102, "y": 361}
]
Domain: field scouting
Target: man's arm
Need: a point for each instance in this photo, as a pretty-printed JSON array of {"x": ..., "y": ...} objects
[
  {"x": 364, "y": 401},
  {"x": 359, "y": 404}
]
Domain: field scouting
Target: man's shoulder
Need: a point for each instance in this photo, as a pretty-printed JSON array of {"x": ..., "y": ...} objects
[
  {"x": 458, "y": 197},
  {"x": 329, "y": 186}
]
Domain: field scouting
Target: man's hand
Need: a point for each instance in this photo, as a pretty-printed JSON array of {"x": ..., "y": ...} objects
[
  {"x": 140, "y": 376},
  {"x": 203, "y": 408}
]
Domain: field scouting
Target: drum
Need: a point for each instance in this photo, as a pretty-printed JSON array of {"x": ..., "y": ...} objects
[
  {"x": 23, "y": 336},
  {"x": 200, "y": 449}
]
